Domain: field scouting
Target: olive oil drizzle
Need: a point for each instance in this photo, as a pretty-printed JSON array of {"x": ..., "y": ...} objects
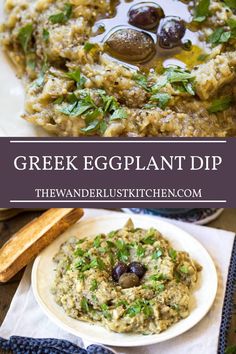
[{"x": 118, "y": 18}]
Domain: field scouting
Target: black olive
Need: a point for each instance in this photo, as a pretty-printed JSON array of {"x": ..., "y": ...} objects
[
  {"x": 137, "y": 268},
  {"x": 187, "y": 45},
  {"x": 131, "y": 45},
  {"x": 119, "y": 269},
  {"x": 129, "y": 280},
  {"x": 146, "y": 16},
  {"x": 171, "y": 31}
]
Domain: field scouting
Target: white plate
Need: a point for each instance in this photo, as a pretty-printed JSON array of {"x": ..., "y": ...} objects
[{"x": 201, "y": 301}]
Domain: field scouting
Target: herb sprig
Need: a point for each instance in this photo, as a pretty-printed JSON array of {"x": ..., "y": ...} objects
[
  {"x": 25, "y": 36},
  {"x": 201, "y": 11},
  {"x": 62, "y": 17}
]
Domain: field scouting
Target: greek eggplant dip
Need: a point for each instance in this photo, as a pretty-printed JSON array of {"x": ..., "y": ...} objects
[
  {"x": 130, "y": 280},
  {"x": 125, "y": 68}
]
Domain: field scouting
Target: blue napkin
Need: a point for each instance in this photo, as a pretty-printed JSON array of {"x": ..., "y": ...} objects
[
  {"x": 228, "y": 307},
  {"x": 24, "y": 345}
]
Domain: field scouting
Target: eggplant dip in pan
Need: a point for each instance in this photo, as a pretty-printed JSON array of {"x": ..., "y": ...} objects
[
  {"x": 125, "y": 68},
  {"x": 130, "y": 280}
]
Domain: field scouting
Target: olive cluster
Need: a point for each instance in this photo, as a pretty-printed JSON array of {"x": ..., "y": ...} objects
[
  {"x": 134, "y": 45},
  {"x": 129, "y": 275},
  {"x": 170, "y": 29}
]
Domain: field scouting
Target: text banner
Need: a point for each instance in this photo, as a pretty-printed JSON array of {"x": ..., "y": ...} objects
[{"x": 114, "y": 173}]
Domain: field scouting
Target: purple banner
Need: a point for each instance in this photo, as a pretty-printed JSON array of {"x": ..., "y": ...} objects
[{"x": 117, "y": 172}]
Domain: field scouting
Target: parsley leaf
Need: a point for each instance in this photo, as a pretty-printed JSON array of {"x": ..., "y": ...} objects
[
  {"x": 220, "y": 104},
  {"x": 93, "y": 126},
  {"x": 157, "y": 254},
  {"x": 97, "y": 241},
  {"x": 162, "y": 99},
  {"x": 179, "y": 78},
  {"x": 84, "y": 305},
  {"x": 77, "y": 77},
  {"x": 230, "y": 3},
  {"x": 220, "y": 35},
  {"x": 140, "y": 251},
  {"x": 89, "y": 46},
  {"x": 138, "y": 307},
  {"x": 79, "y": 252},
  {"x": 184, "y": 269},
  {"x": 94, "y": 285},
  {"x": 176, "y": 74},
  {"x": 201, "y": 11},
  {"x": 158, "y": 277},
  {"x": 123, "y": 250},
  {"x": 45, "y": 35},
  {"x": 159, "y": 287},
  {"x": 149, "y": 240},
  {"x": 40, "y": 80},
  {"x": 119, "y": 113},
  {"x": 62, "y": 17},
  {"x": 172, "y": 254},
  {"x": 24, "y": 36},
  {"x": 142, "y": 81}
]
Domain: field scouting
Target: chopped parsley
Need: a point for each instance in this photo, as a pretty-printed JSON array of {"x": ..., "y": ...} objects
[
  {"x": 159, "y": 287},
  {"x": 84, "y": 305},
  {"x": 31, "y": 61},
  {"x": 123, "y": 250},
  {"x": 77, "y": 77},
  {"x": 59, "y": 100},
  {"x": 184, "y": 269},
  {"x": 201, "y": 11},
  {"x": 140, "y": 252},
  {"x": 79, "y": 252},
  {"x": 83, "y": 265},
  {"x": 142, "y": 81},
  {"x": 119, "y": 113},
  {"x": 25, "y": 36},
  {"x": 62, "y": 17},
  {"x": 94, "y": 114},
  {"x": 98, "y": 263},
  {"x": 220, "y": 35},
  {"x": 150, "y": 238},
  {"x": 97, "y": 241},
  {"x": 89, "y": 46},
  {"x": 105, "y": 311},
  {"x": 162, "y": 99},
  {"x": 172, "y": 254},
  {"x": 94, "y": 285},
  {"x": 138, "y": 307},
  {"x": 175, "y": 307},
  {"x": 40, "y": 80},
  {"x": 112, "y": 234},
  {"x": 45, "y": 35},
  {"x": 220, "y": 104},
  {"x": 158, "y": 277},
  {"x": 157, "y": 254},
  {"x": 182, "y": 80}
]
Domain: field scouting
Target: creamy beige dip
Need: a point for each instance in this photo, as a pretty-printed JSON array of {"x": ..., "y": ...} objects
[{"x": 86, "y": 288}]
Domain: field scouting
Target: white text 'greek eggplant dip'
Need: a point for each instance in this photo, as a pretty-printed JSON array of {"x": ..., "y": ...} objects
[
  {"x": 130, "y": 280},
  {"x": 125, "y": 68}
]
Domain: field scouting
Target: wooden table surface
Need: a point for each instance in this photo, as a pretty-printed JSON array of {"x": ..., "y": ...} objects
[{"x": 227, "y": 221}]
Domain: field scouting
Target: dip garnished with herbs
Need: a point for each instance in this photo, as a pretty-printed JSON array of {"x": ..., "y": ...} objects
[
  {"x": 125, "y": 68},
  {"x": 130, "y": 280}
]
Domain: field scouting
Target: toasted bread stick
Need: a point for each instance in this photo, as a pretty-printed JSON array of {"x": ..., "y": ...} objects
[{"x": 29, "y": 241}]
